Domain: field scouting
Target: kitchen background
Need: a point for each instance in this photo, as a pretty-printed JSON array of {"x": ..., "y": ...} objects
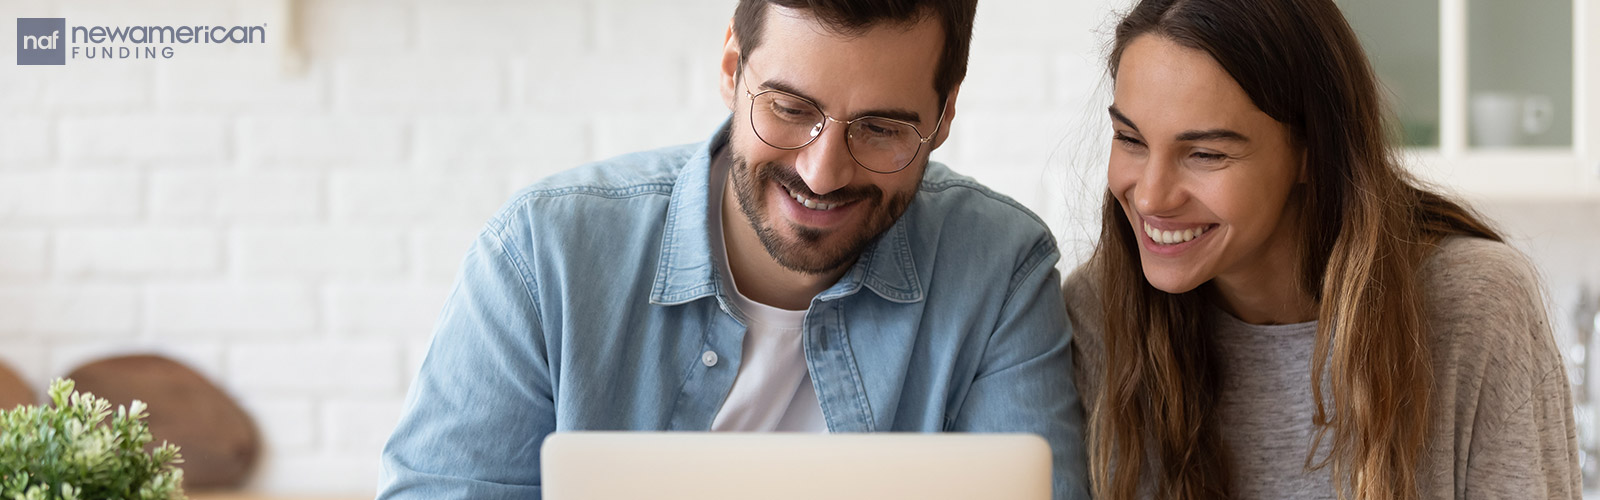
[{"x": 287, "y": 217}]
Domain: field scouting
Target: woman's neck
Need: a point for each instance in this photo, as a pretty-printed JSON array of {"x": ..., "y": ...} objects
[{"x": 1267, "y": 291}]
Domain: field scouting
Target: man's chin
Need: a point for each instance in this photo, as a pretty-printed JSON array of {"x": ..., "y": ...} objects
[{"x": 809, "y": 251}]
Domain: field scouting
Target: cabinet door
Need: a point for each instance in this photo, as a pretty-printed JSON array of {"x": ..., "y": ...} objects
[
  {"x": 1519, "y": 74},
  {"x": 1493, "y": 99},
  {"x": 1402, "y": 42}
]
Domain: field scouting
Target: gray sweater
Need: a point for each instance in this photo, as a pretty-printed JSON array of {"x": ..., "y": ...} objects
[{"x": 1502, "y": 411}]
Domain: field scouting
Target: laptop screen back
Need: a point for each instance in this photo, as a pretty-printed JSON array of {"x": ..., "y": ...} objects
[{"x": 711, "y": 466}]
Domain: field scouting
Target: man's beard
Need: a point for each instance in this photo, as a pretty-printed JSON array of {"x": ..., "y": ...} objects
[{"x": 806, "y": 253}]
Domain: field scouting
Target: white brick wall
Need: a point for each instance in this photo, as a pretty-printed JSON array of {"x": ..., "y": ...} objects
[
  {"x": 137, "y": 251},
  {"x": 322, "y": 140},
  {"x": 229, "y": 311},
  {"x": 24, "y": 141},
  {"x": 209, "y": 196},
  {"x": 170, "y": 139},
  {"x": 55, "y": 311},
  {"x": 56, "y": 195},
  {"x": 291, "y": 233},
  {"x": 24, "y": 254}
]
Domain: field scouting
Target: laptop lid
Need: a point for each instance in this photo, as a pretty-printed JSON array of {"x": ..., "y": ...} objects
[{"x": 712, "y": 466}]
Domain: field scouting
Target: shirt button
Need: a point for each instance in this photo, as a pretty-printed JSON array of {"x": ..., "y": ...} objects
[{"x": 709, "y": 358}]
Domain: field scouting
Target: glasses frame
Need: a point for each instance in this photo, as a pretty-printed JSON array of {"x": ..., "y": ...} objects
[{"x": 822, "y": 126}]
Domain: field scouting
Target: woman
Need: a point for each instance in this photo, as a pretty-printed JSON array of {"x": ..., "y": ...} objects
[{"x": 1276, "y": 309}]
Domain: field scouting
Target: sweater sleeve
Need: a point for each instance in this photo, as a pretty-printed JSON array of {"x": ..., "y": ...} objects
[
  {"x": 1529, "y": 451},
  {"x": 1514, "y": 432},
  {"x": 1088, "y": 351}
]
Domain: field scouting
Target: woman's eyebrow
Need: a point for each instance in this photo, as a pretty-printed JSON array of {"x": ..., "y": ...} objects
[{"x": 1218, "y": 134}]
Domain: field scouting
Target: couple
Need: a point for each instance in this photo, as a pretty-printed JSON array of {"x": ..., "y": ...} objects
[{"x": 1275, "y": 309}]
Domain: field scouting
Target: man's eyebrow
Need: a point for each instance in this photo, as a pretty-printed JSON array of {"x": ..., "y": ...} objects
[
  {"x": 901, "y": 114},
  {"x": 1218, "y": 134}
]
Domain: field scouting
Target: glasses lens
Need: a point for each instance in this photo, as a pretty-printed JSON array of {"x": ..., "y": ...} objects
[
  {"x": 784, "y": 121},
  {"x": 883, "y": 145}
]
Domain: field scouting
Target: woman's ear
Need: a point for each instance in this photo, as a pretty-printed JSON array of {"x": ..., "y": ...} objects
[{"x": 729, "y": 80}]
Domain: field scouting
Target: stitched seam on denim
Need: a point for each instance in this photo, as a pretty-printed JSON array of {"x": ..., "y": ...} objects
[
  {"x": 805, "y": 341},
  {"x": 668, "y": 250},
  {"x": 603, "y": 192},
  {"x": 1032, "y": 266},
  {"x": 903, "y": 249},
  {"x": 529, "y": 283},
  {"x": 855, "y": 373},
  {"x": 697, "y": 292},
  {"x": 1041, "y": 252},
  {"x": 946, "y": 185},
  {"x": 502, "y": 218},
  {"x": 669, "y": 247},
  {"x": 688, "y": 372}
]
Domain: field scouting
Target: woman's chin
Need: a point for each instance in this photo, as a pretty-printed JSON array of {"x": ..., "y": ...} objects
[{"x": 1172, "y": 283}]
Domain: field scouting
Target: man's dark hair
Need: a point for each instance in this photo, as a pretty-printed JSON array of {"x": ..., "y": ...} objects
[{"x": 854, "y": 17}]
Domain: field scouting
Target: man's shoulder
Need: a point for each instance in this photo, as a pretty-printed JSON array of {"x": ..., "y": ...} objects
[
  {"x": 608, "y": 207},
  {"x": 595, "y": 186},
  {"x": 965, "y": 209},
  {"x": 621, "y": 176}
]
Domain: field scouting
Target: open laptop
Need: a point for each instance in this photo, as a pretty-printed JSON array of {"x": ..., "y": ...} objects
[{"x": 714, "y": 466}]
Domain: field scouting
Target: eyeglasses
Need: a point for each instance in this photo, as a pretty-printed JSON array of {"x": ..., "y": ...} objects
[{"x": 789, "y": 122}]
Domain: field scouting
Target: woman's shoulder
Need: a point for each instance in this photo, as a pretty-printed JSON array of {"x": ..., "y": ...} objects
[
  {"x": 1476, "y": 277},
  {"x": 1476, "y": 260},
  {"x": 1082, "y": 293},
  {"x": 1487, "y": 315}
]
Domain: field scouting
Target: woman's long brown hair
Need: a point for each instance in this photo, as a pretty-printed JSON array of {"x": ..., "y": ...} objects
[{"x": 1366, "y": 227}]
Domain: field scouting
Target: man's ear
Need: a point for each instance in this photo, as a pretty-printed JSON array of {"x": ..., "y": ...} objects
[
  {"x": 948, "y": 119},
  {"x": 729, "y": 80}
]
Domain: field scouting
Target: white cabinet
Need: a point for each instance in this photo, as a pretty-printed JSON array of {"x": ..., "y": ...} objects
[{"x": 1496, "y": 99}]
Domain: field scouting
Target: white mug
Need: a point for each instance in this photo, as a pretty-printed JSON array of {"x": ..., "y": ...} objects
[{"x": 1503, "y": 119}]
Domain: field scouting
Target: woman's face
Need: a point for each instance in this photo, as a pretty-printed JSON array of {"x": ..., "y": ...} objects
[{"x": 1203, "y": 175}]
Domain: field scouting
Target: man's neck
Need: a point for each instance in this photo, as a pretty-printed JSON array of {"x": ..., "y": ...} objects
[{"x": 758, "y": 276}]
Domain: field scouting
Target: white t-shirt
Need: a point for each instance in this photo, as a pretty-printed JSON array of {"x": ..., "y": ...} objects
[{"x": 772, "y": 391}]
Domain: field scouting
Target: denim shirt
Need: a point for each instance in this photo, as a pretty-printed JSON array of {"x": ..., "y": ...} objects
[{"x": 591, "y": 301}]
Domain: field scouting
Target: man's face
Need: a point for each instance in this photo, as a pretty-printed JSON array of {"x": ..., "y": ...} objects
[{"x": 815, "y": 209}]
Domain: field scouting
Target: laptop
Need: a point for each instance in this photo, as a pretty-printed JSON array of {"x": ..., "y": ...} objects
[{"x": 715, "y": 466}]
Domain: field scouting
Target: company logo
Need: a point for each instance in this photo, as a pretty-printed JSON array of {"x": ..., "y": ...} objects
[
  {"x": 47, "y": 41},
  {"x": 41, "y": 41}
]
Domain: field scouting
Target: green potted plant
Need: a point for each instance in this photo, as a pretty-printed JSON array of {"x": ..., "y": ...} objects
[{"x": 70, "y": 452}]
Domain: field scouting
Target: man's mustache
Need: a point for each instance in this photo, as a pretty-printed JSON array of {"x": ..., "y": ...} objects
[{"x": 788, "y": 177}]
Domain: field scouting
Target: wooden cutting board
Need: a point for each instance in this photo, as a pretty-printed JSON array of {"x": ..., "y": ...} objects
[
  {"x": 13, "y": 390},
  {"x": 217, "y": 438}
]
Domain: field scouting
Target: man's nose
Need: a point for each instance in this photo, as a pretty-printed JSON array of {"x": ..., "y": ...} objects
[{"x": 826, "y": 165}]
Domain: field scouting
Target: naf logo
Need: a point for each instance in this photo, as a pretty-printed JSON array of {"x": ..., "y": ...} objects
[{"x": 41, "y": 41}]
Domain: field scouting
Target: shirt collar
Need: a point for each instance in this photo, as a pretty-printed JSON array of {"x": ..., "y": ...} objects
[{"x": 687, "y": 272}]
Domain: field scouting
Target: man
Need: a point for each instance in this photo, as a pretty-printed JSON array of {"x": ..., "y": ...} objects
[{"x": 805, "y": 269}]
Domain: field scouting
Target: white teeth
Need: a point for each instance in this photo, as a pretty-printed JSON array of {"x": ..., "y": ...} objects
[
  {"x": 1173, "y": 237},
  {"x": 810, "y": 204}
]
